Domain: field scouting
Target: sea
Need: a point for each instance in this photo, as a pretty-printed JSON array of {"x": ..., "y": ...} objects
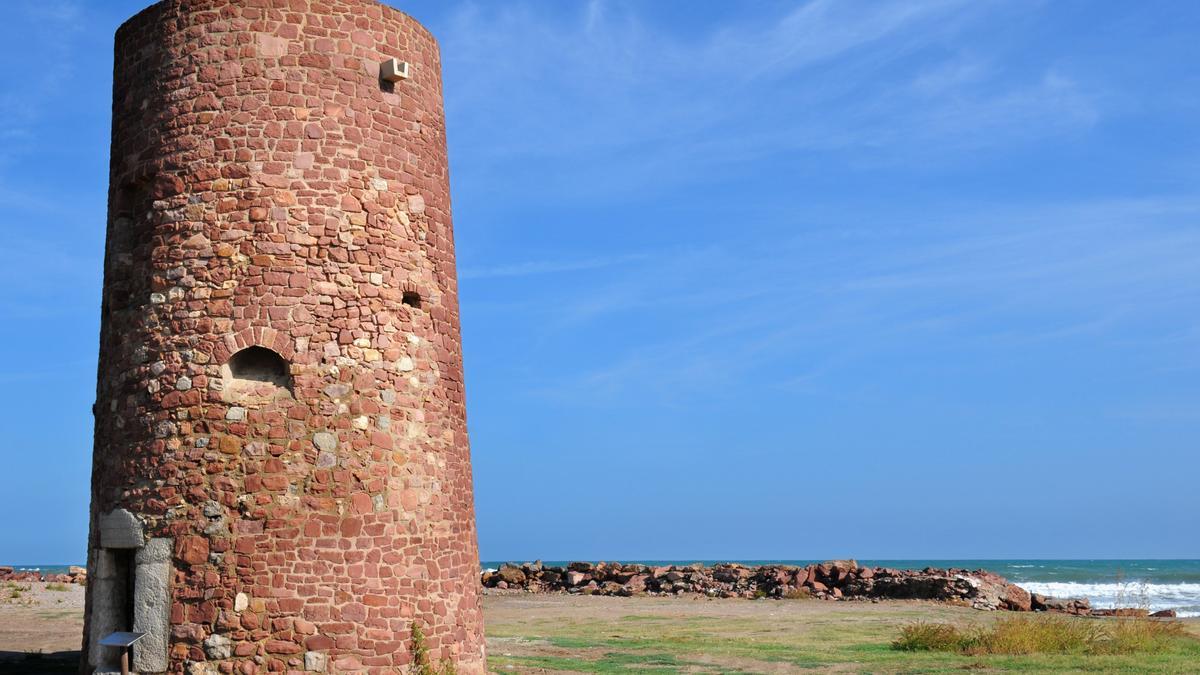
[{"x": 1156, "y": 584}]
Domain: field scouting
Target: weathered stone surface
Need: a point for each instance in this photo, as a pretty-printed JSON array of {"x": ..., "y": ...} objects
[
  {"x": 152, "y": 605},
  {"x": 1043, "y": 603},
  {"x": 315, "y": 662},
  {"x": 272, "y": 200},
  {"x": 121, "y": 529},
  {"x": 218, "y": 647},
  {"x": 511, "y": 575},
  {"x": 325, "y": 441},
  {"x": 1016, "y": 598}
]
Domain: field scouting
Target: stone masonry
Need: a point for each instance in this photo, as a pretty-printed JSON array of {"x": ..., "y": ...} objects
[{"x": 281, "y": 479}]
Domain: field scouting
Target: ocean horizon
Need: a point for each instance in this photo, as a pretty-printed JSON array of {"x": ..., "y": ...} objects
[{"x": 1155, "y": 583}]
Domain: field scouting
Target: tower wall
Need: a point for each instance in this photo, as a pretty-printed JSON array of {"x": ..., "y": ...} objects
[{"x": 281, "y": 475}]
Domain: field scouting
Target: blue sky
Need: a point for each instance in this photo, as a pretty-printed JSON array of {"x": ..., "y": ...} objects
[{"x": 739, "y": 280}]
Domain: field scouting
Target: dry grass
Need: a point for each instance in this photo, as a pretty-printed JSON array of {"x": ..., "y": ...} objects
[
  {"x": 1044, "y": 635},
  {"x": 931, "y": 637}
]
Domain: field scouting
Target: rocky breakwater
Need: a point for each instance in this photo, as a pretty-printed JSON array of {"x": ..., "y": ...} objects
[
  {"x": 833, "y": 580},
  {"x": 73, "y": 575}
]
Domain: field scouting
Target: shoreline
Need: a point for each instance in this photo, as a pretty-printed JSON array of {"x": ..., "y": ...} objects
[{"x": 835, "y": 580}]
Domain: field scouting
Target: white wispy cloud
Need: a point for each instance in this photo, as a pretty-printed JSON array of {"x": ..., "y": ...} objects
[
  {"x": 1006, "y": 277},
  {"x": 872, "y": 79}
]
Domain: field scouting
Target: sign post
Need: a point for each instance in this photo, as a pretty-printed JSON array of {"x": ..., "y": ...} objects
[{"x": 125, "y": 642}]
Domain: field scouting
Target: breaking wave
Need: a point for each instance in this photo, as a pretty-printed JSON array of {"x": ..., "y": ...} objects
[{"x": 1184, "y": 598}]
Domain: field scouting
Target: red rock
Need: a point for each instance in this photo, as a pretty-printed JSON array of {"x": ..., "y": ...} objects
[
  {"x": 1017, "y": 599},
  {"x": 192, "y": 550},
  {"x": 282, "y": 647},
  {"x": 511, "y": 575},
  {"x": 361, "y": 503}
]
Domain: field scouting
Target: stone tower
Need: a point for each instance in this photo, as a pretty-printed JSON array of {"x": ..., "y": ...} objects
[{"x": 281, "y": 477}]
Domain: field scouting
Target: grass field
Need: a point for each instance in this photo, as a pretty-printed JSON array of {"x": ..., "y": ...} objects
[
  {"x": 40, "y": 632},
  {"x": 644, "y": 635}
]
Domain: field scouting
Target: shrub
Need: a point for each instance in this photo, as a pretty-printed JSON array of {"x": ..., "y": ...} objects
[
  {"x": 57, "y": 587},
  {"x": 1140, "y": 635},
  {"x": 1022, "y": 635},
  {"x": 922, "y": 636},
  {"x": 801, "y": 593},
  {"x": 1048, "y": 635}
]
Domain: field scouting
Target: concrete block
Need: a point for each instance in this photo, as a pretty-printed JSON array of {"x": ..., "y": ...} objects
[
  {"x": 152, "y": 605},
  {"x": 393, "y": 70},
  {"x": 121, "y": 529}
]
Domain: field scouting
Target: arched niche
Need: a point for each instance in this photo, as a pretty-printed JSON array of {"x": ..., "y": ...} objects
[{"x": 256, "y": 375}]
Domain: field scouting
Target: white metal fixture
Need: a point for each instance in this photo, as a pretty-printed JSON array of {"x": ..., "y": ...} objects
[{"x": 392, "y": 70}]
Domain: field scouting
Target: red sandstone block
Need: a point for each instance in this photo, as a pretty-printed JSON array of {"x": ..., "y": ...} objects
[
  {"x": 353, "y": 611},
  {"x": 192, "y": 550},
  {"x": 316, "y": 612},
  {"x": 347, "y": 663},
  {"x": 204, "y": 613},
  {"x": 290, "y": 605},
  {"x": 319, "y": 643},
  {"x": 361, "y": 503},
  {"x": 337, "y": 627},
  {"x": 351, "y": 527},
  {"x": 373, "y": 600}
]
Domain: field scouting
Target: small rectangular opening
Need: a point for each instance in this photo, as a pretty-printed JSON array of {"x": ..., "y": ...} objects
[
  {"x": 112, "y": 601},
  {"x": 130, "y": 592},
  {"x": 125, "y": 569}
]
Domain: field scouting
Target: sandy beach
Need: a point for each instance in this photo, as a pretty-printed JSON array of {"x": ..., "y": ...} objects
[{"x": 40, "y": 626}]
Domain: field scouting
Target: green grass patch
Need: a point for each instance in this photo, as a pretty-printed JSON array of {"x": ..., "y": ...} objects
[
  {"x": 672, "y": 635},
  {"x": 611, "y": 662}
]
